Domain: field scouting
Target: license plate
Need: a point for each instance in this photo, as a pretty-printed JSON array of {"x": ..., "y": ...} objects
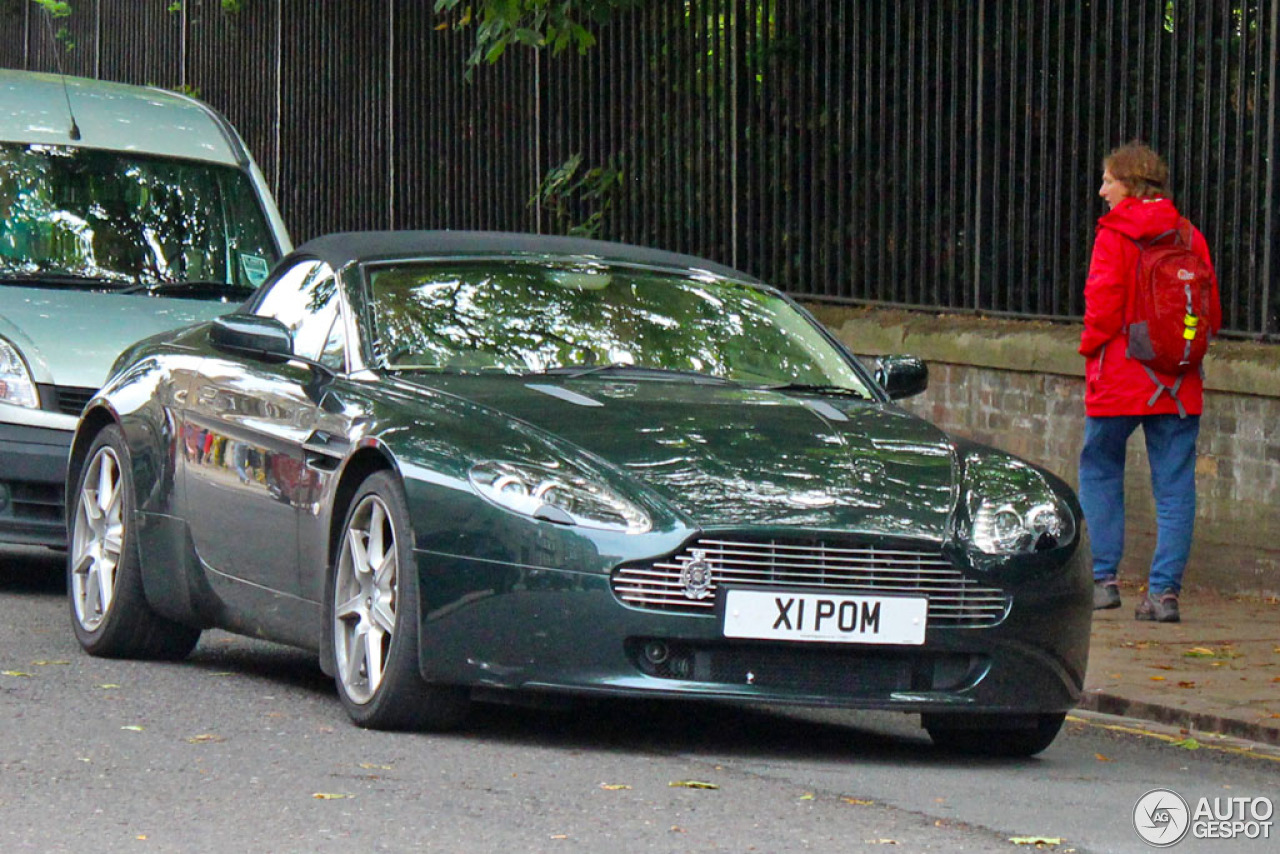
[{"x": 765, "y": 615}]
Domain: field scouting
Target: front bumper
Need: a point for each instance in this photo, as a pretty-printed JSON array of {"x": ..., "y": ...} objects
[
  {"x": 554, "y": 630},
  {"x": 33, "y": 471}
]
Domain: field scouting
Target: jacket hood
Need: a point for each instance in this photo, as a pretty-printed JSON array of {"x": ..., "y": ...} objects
[
  {"x": 70, "y": 337},
  {"x": 724, "y": 456},
  {"x": 1141, "y": 218}
]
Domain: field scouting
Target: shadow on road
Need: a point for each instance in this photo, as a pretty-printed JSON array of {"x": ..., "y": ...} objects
[
  {"x": 707, "y": 728},
  {"x": 34, "y": 571}
]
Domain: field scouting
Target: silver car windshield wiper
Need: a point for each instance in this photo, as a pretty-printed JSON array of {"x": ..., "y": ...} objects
[
  {"x": 196, "y": 289},
  {"x": 573, "y": 372},
  {"x": 818, "y": 388}
]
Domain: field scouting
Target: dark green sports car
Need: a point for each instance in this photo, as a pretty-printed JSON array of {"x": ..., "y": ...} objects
[{"x": 468, "y": 465}]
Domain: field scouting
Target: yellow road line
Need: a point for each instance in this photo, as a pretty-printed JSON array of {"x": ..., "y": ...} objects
[{"x": 1241, "y": 751}]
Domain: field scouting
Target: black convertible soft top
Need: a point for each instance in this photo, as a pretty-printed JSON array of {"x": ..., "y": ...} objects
[{"x": 342, "y": 248}]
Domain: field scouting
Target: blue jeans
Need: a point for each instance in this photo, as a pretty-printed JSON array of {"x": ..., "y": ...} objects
[{"x": 1171, "y": 451}]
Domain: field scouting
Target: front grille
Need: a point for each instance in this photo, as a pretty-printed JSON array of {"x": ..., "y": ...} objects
[
  {"x": 71, "y": 400},
  {"x": 843, "y": 568},
  {"x": 861, "y": 673},
  {"x": 35, "y": 502}
]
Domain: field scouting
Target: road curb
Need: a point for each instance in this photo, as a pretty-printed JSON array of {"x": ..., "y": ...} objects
[{"x": 1113, "y": 704}]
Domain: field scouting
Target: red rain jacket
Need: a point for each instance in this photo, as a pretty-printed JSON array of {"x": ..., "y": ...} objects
[{"x": 1114, "y": 383}]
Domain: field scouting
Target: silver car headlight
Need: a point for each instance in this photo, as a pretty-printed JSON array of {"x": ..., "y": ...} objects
[
  {"x": 16, "y": 386},
  {"x": 556, "y": 495},
  {"x": 1014, "y": 511}
]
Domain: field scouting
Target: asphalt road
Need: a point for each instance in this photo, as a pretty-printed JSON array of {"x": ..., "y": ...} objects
[{"x": 244, "y": 747}]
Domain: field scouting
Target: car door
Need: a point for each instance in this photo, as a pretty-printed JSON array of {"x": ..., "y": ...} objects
[{"x": 247, "y": 421}]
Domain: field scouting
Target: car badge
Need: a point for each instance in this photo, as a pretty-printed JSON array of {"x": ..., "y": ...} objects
[{"x": 696, "y": 576}]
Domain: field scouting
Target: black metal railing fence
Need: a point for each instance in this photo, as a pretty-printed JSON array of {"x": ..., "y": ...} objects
[{"x": 938, "y": 154}]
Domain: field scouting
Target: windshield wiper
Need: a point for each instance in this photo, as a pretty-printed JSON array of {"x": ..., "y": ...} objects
[
  {"x": 574, "y": 372},
  {"x": 59, "y": 279},
  {"x": 199, "y": 289},
  {"x": 818, "y": 388}
]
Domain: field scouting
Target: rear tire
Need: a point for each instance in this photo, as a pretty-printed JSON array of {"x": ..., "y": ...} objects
[
  {"x": 374, "y": 612},
  {"x": 984, "y": 736},
  {"x": 109, "y": 610}
]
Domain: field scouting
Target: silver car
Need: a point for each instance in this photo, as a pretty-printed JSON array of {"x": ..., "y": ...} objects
[{"x": 125, "y": 211}]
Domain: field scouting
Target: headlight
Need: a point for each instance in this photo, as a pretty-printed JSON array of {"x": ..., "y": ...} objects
[
  {"x": 556, "y": 495},
  {"x": 1021, "y": 523},
  {"x": 16, "y": 386},
  {"x": 1014, "y": 511}
]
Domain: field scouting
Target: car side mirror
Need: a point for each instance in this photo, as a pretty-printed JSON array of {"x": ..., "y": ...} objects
[
  {"x": 263, "y": 337},
  {"x": 902, "y": 376}
]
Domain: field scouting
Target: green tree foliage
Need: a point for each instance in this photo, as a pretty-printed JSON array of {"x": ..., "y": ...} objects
[{"x": 557, "y": 24}]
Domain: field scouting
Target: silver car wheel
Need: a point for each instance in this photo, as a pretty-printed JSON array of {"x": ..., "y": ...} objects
[
  {"x": 365, "y": 599},
  {"x": 97, "y": 540}
]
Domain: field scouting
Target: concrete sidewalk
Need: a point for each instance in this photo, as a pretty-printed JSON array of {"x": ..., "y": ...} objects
[{"x": 1218, "y": 671}]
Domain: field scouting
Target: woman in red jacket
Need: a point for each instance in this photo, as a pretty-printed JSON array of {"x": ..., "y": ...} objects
[{"x": 1120, "y": 395}]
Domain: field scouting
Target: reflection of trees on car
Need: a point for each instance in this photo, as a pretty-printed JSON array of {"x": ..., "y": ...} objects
[
  {"x": 560, "y": 316},
  {"x": 119, "y": 216}
]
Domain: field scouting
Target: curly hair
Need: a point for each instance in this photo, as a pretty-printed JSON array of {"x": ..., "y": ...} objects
[{"x": 1140, "y": 169}]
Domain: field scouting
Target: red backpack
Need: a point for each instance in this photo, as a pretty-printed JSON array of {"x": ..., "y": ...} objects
[{"x": 1168, "y": 315}]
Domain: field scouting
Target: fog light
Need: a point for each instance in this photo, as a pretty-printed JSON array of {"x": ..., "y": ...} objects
[{"x": 656, "y": 652}]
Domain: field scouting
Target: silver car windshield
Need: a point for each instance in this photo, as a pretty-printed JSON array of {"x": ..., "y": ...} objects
[
  {"x": 527, "y": 317},
  {"x": 111, "y": 220}
]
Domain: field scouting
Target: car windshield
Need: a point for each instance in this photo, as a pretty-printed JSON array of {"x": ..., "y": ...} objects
[
  {"x": 109, "y": 220},
  {"x": 598, "y": 321}
]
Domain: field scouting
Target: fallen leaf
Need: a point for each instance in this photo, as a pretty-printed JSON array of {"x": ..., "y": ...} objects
[
  {"x": 1186, "y": 684},
  {"x": 374, "y": 767},
  {"x": 1163, "y": 666},
  {"x": 879, "y": 842},
  {"x": 48, "y": 663},
  {"x": 614, "y": 787},
  {"x": 1157, "y": 678},
  {"x": 14, "y": 673},
  {"x": 807, "y": 796},
  {"x": 141, "y": 836},
  {"x": 330, "y": 796},
  {"x": 205, "y": 738},
  {"x": 559, "y": 836},
  {"x": 857, "y": 802},
  {"x": 1101, "y": 758},
  {"x": 675, "y": 828},
  {"x": 1199, "y": 652},
  {"x": 693, "y": 784},
  {"x": 132, "y": 728},
  {"x": 1188, "y": 744},
  {"x": 108, "y": 686},
  {"x": 1035, "y": 840}
]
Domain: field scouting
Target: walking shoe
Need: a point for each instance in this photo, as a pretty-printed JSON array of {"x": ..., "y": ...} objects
[
  {"x": 1106, "y": 594},
  {"x": 1160, "y": 609}
]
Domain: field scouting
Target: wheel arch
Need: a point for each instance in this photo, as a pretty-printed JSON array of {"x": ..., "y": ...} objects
[{"x": 91, "y": 424}]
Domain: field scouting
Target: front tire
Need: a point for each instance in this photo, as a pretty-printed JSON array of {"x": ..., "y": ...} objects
[
  {"x": 374, "y": 613},
  {"x": 986, "y": 736},
  {"x": 109, "y": 610}
]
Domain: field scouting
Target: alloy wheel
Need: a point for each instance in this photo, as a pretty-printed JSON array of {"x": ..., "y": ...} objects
[
  {"x": 97, "y": 539},
  {"x": 365, "y": 599}
]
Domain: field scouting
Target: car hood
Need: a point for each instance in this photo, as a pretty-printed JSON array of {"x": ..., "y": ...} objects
[
  {"x": 70, "y": 337},
  {"x": 725, "y": 456}
]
